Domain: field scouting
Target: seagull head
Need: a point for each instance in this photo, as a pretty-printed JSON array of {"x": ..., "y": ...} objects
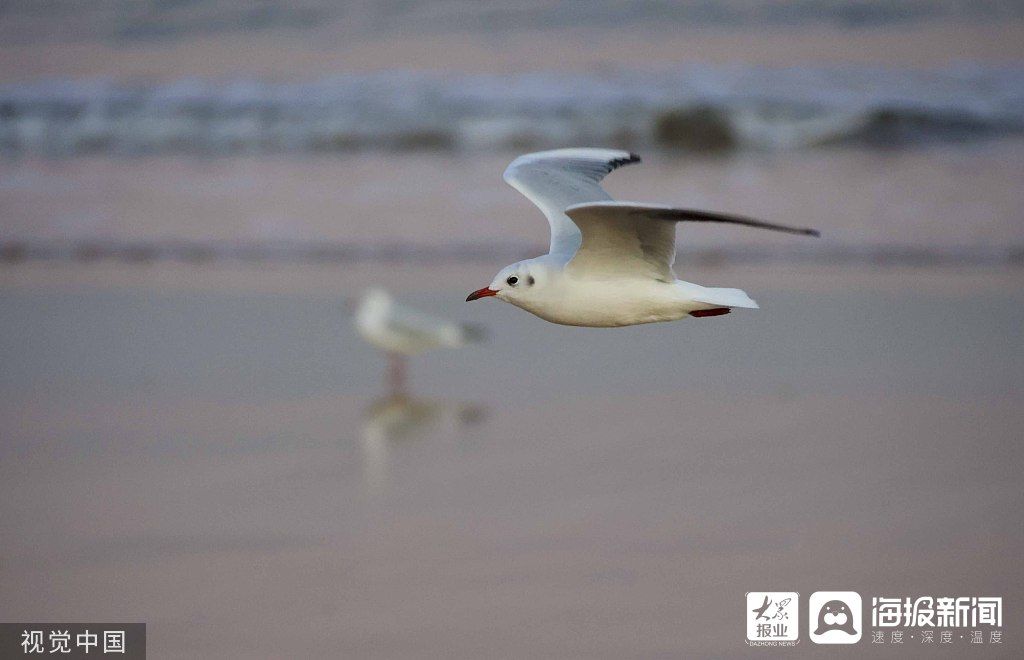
[{"x": 514, "y": 283}]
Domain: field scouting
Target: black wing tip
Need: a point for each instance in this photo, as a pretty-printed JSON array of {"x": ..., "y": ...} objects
[
  {"x": 628, "y": 160},
  {"x": 679, "y": 215},
  {"x": 802, "y": 231}
]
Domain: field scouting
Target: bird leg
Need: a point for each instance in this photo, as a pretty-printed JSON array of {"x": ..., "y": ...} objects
[{"x": 396, "y": 375}]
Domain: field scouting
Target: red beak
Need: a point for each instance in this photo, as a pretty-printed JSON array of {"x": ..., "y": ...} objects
[{"x": 481, "y": 293}]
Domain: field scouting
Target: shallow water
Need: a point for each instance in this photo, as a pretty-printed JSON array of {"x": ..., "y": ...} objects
[
  {"x": 220, "y": 463},
  {"x": 937, "y": 198}
]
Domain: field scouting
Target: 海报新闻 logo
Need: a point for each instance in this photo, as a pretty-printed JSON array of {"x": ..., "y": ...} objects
[{"x": 835, "y": 617}]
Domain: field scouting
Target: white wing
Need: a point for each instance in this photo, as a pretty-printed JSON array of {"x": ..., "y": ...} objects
[
  {"x": 639, "y": 240},
  {"x": 555, "y": 180}
]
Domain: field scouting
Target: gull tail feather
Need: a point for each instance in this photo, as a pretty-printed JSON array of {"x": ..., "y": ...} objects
[{"x": 726, "y": 298}]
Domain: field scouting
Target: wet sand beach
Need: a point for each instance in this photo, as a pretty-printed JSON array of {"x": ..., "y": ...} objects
[
  {"x": 332, "y": 49},
  {"x": 929, "y": 197},
  {"x": 218, "y": 462},
  {"x": 193, "y": 195}
]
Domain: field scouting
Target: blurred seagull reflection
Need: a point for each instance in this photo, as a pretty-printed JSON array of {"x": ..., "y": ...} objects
[
  {"x": 400, "y": 331},
  {"x": 396, "y": 419}
]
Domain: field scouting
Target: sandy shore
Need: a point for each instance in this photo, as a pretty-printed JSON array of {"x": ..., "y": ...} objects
[
  {"x": 319, "y": 52},
  {"x": 345, "y": 281},
  {"x": 943, "y": 197},
  {"x": 216, "y": 462}
]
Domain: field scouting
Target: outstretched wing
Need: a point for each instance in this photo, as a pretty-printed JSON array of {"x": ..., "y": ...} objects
[
  {"x": 639, "y": 240},
  {"x": 555, "y": 180}
]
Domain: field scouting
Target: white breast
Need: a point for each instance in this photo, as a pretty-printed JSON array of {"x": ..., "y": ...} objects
[{"x": 608, "y": 303}]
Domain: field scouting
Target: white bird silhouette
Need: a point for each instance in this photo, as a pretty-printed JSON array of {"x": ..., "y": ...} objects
[
  {"x": 400, "y": 331},
  {"x": 609, "y": 263}
]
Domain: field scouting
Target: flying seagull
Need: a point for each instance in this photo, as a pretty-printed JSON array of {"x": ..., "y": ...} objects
[
  {"x": 401, "y": 331},
  {"x": 610, "y": 262}
]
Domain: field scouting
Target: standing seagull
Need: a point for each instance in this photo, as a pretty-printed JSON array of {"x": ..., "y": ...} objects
[
  {"x": 401, "y": 332},
  {"x": 610, "y": 263}
]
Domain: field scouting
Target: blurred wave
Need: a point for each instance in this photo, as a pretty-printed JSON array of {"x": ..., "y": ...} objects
[{"x": 691, "y": 109}]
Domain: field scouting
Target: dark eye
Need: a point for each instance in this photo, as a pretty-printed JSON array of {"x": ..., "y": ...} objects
[{"x": 512, "y": 281}]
